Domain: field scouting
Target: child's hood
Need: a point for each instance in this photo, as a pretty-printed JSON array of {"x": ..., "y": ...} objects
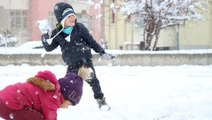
[
  {"x": 46, "y": 80},
  {"x": 43, "y": 84}
]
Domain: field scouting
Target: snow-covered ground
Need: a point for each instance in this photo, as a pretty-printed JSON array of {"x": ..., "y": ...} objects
[
  {"x": 27, "y": 48},
  {"x": 135, "y": 93}
]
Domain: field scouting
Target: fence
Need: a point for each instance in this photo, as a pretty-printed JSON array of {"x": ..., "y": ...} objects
[{"x": 131, "y": 59}]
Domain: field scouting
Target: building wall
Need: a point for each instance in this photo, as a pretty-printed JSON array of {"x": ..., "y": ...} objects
[
  {"x": 43, "y": 9},
  {"x": 106, "y": 19},
  {"x": 120, "y": 34},
  {"x": 168, "y": 38},
  {"x": 14, "y": 4},
  {"x": 39, "y": 9},
  {"x": 193, "y": 35},
  {"x": 95, "y": 11},
  {"x": 36, "y": 10},
  {"x": 118, "y": 30}
]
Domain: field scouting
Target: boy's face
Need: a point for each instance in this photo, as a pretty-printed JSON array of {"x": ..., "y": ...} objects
[
  {"x": 70, "y": 21},
  {"x": 65, "y": 104}
]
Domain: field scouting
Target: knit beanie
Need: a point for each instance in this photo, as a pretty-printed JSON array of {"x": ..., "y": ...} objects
[
  {"x": 62, "y": 10},
  {"x": 71, "y": 87}
]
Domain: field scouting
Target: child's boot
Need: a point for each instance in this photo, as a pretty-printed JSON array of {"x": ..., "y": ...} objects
[{"x": 103, "y": 104}]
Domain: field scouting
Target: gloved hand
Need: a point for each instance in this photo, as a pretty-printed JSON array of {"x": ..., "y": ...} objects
[
  {"x": 108, "y": 56},
  {"x": 45, "y": 38},
  {"x": 44, "y": 26}
]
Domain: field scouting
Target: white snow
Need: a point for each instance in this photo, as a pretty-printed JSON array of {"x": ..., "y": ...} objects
[
  {"x": 135, "y": 93},
  {"x": 44, "y": 26}
]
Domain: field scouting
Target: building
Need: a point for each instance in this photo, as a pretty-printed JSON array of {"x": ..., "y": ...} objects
[
  {"x": 121, "y": 33},
  {"x": 107, "y": 24},
  {"x": 21, "y": 18}
]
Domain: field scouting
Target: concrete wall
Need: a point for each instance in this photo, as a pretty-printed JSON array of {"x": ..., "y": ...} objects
[{"x": 152, "y": 59}]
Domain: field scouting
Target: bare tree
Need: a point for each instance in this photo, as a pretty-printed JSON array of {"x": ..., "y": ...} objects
[{"x": 160, "y": 14}]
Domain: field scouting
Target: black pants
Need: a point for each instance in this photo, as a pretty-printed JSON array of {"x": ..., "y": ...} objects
[{"x": 94, "y": 82}]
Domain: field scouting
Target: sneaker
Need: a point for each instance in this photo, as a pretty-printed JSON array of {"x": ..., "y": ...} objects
[{"x": 103, "y": 105}]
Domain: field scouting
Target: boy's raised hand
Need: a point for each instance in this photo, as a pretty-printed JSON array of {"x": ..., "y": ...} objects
[
  {"x": 44, "y": 26},
  {"x": 45, "y": 38}
]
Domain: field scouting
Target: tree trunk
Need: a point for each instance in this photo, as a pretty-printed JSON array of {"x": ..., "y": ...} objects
[
  {"x": 156, "y": 39},
  {"x": 149, "y": 34},
  {"x": 157, "y": 33}
]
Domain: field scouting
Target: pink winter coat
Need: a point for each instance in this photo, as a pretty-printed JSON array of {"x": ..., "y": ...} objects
[{"x": 41, "y": 95}]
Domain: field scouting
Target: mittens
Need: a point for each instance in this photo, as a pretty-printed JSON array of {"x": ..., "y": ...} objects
[
  {"x": 45, "y": 38},
  {"x": 108, "y": 56}
]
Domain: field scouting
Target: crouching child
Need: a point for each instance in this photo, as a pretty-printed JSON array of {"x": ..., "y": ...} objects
[{"x": 40, "y": 96}]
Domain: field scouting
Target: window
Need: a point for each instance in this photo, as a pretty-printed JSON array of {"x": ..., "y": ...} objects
[{"x": 18, "y": 19}]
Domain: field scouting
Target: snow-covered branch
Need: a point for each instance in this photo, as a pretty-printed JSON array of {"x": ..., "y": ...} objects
[{"x": 159, "y": 14}]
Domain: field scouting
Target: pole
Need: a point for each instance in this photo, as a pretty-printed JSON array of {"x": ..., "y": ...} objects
[
  {"x": 177, "y": 38},
  {"x": 132, "y": 35}
]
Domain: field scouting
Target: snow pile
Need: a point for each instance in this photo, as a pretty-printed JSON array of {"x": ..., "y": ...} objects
[{"x": 135, "y": 93}]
